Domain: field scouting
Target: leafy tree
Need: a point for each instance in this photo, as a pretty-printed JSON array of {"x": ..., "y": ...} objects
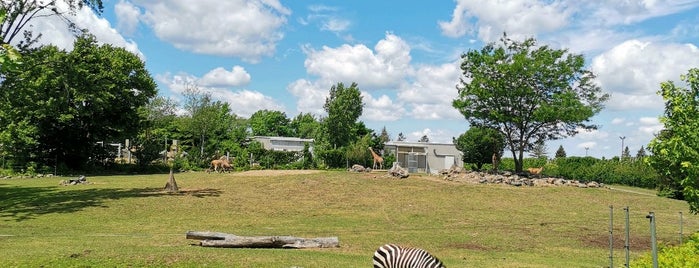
[
  {"x": 270, "y": 123},
  {"x": 72, "y": 100},
  {"x": 479, "y": 144},
  {"x": 424, "y": 138},
  {"x": 344, "y": 106},
  {"x": 208, "y": 124},
  {"x": 304, "y": 126},
  {"x": 401, "y": 137},
  {"x": 675, "y": 150},
  {"x": 20, "y": 13},
  {"x": 641, "y": 153},
  {"x": 527, "y": 92},
  {"x": 560, "y": 153},
  {"x": 539, "y": 150}
]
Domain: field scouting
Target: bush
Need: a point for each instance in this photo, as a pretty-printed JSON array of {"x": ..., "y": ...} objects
[{"x": 685, "y": 255}]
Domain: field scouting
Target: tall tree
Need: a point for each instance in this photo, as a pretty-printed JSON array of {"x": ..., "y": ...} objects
[
  {"x": 20, "y": 13},
  {"x": 344, "y": 106},
  {"x": 270, "y": 123},
  {"x": 384, "y": 137},
  {"x": 539, "y": 149},
  {"x": 527, "y": 92},
  {"x": 63, "y": 103},
  {"x": 305, "y": 126},
  {"x": 675, "y": 150},
  {"x": 479, "y": 144},
  {"x": 626, "y": 155},
  {"x": 560, "y": 153}
]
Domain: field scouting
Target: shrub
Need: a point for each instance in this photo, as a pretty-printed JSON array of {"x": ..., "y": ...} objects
[{"x": 685, "y": 255}]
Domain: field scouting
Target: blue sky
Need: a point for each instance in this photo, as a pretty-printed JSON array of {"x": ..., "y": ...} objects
[{"x": 404, "y": 55}]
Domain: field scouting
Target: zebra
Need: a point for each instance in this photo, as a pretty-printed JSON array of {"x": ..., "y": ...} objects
[{"x": 394, "y": 256}]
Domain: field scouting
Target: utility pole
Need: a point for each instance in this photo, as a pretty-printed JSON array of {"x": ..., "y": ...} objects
[
  {"x": 622, "y": 147},
  {"x": 586, "y": 148}
]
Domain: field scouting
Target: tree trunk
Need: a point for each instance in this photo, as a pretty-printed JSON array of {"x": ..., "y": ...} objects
[
  {"x": 223, "y": 240},
  {"x": 171, "y": 185}
]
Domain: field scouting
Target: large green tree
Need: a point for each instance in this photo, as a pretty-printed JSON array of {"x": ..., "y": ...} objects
[
  {"x": 305, "y": 126},
  {"x": 344, "y": 106},
  {"x": 675, "y": 150},
  {"x": 270, "y": 123},
  {"x": 59, "y": 104},
  {"x": 528, "y": 93},
  {"x": 479, "y": 144}
]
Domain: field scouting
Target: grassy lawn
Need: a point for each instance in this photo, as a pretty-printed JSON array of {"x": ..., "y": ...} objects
[{"x": 120, "y": 221}]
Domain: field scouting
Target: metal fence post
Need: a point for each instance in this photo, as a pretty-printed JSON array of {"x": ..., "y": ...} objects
[
  {"x": 626, "y": 241},
  {"x": 611, "y": 236},
  {"x": 654, "y": 246}
]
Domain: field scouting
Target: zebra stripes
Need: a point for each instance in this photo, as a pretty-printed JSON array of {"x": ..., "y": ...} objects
[{"x": 394, "y": 256}]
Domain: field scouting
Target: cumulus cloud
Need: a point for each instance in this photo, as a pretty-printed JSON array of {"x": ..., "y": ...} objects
[
  {"x": 127, "y": 17},
  {"x": 384, "y": 67},
  {"x": 242, "y": 102},
  {"x": 220, "y": 77},
  {"x": 633, "y": 70},
  {"x": 246, "y": 29},
  {"x": 517, "y": 18},
  {"x": 310, "y": 96},
  {"x": 431, "y": 92},
  {"x": 382, "y": 108},
  {"x": 55, "y": 31}
]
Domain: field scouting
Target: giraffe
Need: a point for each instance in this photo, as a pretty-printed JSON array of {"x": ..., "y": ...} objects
[{"x": 377, "y": 159}]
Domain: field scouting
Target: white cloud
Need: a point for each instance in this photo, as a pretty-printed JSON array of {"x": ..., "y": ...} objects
[
  {"x": 242, "y": 102},
  {"x": 220, "y": 77},
  {"x": 381, "y": 108},
  {"x": 246, "y": 29},
  {"x": 587, "y": 144},
  {"x": 432, "y": 91},
  {"x": 310, "y": 96},
  {"x": 649, "y": 126},
  {"x": 127, "y": 17},
  {"x": 518, "y": 18},
  {"x": 55, "y": 30},
  {"x": 383, "y": 68},
  {"x": 632, "y": 71}
]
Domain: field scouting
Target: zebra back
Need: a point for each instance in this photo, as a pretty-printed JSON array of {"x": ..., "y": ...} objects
[{"x": 394, "y": 256}]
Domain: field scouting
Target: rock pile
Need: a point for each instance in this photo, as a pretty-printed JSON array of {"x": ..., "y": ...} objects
[
  {"x": 398, "y": 172},
  {"x": 460, "y": 175},
  {"x": 79, "y": 180}
]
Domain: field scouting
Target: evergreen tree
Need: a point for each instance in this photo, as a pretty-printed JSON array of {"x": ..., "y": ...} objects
[
  {"x": 641, "y": 153},
  {"x": 424, "y": 139},
  {"x": 539, "y": 149},
  {"x": 560, "y": 153},
  {"x": 627, "y": 154},
  {"x": 401, "y": 137}
]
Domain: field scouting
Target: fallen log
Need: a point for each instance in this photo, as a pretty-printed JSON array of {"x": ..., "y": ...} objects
[{"x": 224, "y": 240}]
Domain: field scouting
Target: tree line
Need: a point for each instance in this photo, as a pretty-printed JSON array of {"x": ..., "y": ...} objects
[{"x": 58, "y": 108}]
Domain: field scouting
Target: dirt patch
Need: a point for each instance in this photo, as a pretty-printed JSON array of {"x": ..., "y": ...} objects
[
  {"x": 636, "y": 243},
  {"x": 269, "y": 173}
]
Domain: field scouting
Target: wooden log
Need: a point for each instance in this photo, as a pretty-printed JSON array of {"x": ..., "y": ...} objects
[{"x": 223, "y": 240}]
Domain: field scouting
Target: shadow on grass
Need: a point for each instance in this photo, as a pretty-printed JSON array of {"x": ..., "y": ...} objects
[{"x": 24, "y": 203}]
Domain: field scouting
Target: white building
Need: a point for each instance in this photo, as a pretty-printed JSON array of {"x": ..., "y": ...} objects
[
  {"x": 289, "y": 144},
  {"x": 424, "y": 156}
]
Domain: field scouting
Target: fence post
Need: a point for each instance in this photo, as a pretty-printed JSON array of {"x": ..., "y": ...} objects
[
  {"x": 611, "y": 237},
  {"x": 653, "y": 245},
  {"x": 627, "y": 248}
]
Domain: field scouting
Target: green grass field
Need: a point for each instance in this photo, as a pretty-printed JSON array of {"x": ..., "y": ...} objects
[{"x": 128, "y": 221}]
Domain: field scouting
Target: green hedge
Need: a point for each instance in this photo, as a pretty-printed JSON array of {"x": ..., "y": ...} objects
[{"x": 627, "y": 172}]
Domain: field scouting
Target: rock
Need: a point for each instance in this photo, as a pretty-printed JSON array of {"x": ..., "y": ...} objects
[
  {"x": 398, "y": 171},
  {"x": 357, "y": 168}
]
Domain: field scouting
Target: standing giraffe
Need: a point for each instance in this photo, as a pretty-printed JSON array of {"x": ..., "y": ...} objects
[{"x": 377, "y": 159}]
